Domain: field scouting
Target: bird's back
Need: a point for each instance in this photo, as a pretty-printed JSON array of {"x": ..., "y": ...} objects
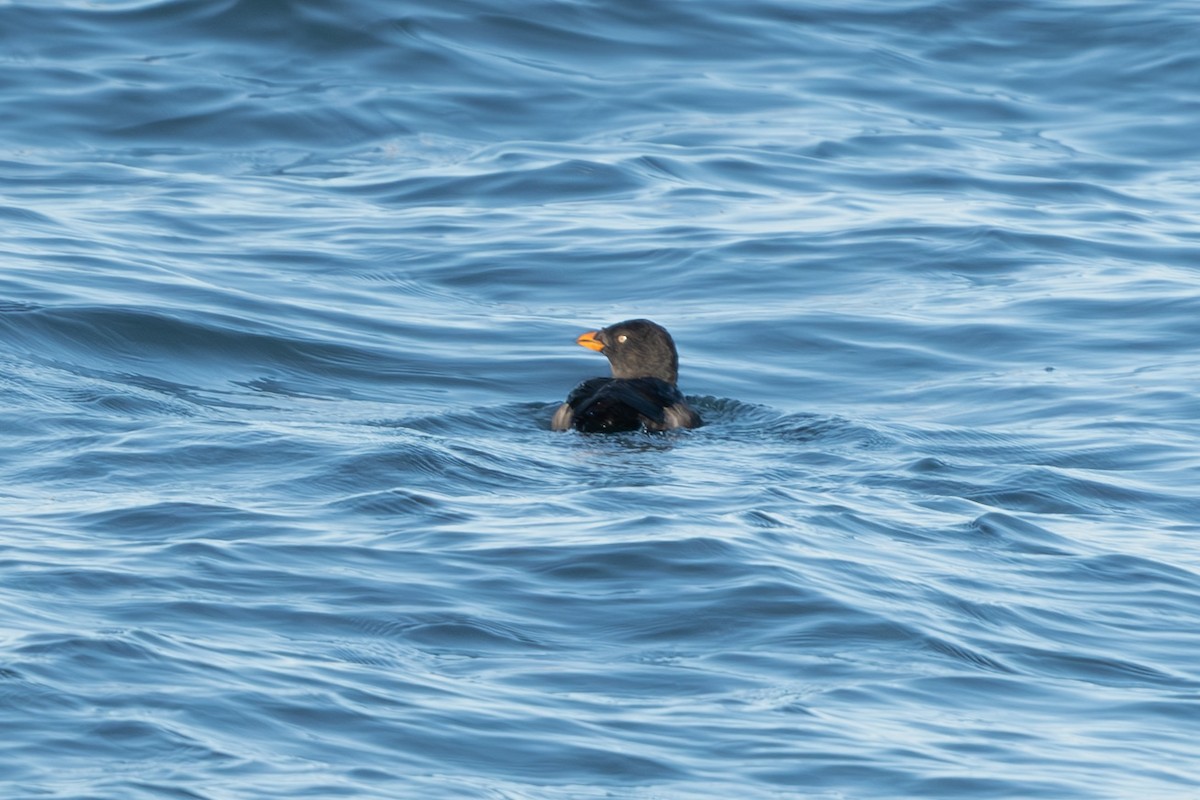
[{"x": 610, "y": 405}]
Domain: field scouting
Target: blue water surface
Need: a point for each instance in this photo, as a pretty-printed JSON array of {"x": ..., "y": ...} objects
[{"x": 288, "y": 295}]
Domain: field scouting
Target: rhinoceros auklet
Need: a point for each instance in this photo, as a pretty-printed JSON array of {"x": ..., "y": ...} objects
[{"x": 641, "y": 394}]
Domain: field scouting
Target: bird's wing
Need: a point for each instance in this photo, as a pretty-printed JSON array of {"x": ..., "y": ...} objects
[{"x": 647, "y": 396}]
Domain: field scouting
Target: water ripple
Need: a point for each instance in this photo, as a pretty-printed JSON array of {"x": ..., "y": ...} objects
[{"x": 289, "y": 297}]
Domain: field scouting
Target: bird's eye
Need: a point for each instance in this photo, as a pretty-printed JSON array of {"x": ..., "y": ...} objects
[{"x": 622, "y": 338}]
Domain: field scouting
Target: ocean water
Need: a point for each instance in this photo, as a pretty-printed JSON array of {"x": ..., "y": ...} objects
[{"x": 288, "y": 294}]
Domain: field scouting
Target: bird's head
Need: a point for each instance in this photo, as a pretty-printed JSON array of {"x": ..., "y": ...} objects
[{"x": 636, "y": 348}]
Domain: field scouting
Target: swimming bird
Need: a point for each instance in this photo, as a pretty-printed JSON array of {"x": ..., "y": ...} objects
[{"x": 641, "y": 394}]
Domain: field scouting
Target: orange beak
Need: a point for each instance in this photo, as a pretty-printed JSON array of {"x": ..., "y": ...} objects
[{"x": 590, "y": 341}]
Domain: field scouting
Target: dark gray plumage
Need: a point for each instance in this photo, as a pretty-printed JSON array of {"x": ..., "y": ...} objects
[{"x": 641, "y": 394}]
